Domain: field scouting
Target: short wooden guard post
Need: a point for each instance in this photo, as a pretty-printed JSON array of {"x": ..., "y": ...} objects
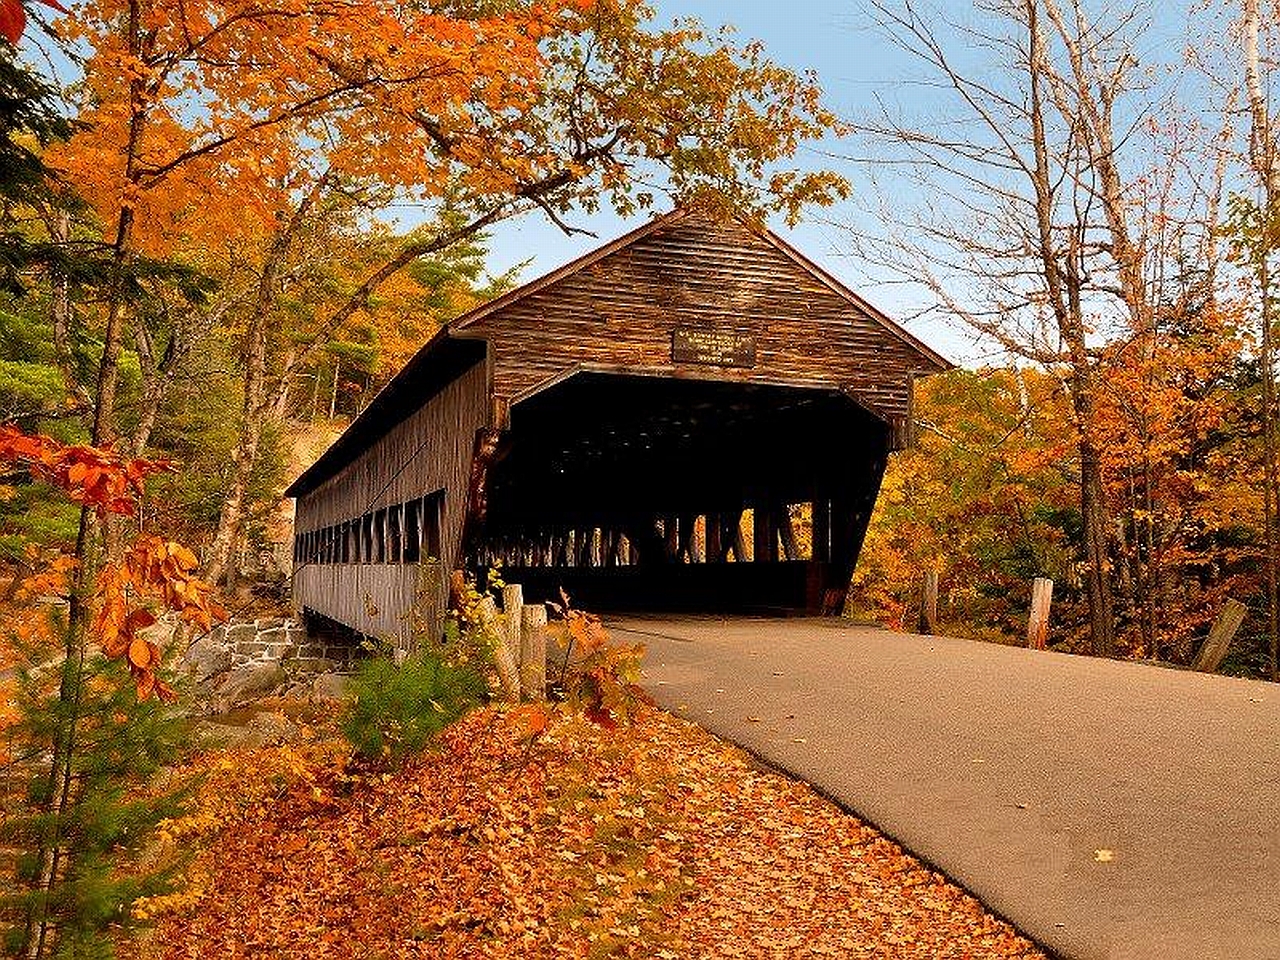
[
  {"x": 1038, "y": 621},
  {"x": 1224, "y": 628},
  {"x": 533, "y": 651},
  {"x": 512, "y": 605},
  {"x": 495, "y": 627},
  {"x": 929, "y": 602}
]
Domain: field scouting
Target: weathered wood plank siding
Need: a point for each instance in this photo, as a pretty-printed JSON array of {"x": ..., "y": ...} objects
[
  {"x": 620, "y": 311},
  {"x": 429, "y": 451}
]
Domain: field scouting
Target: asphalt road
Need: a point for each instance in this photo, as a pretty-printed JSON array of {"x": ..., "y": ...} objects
[{"x": 1109, "y": 810}]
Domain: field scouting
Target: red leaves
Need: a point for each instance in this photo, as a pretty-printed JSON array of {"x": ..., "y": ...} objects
[
  {"x": 152, "y": 569},
  {"x": 651, "y": 841},
  {"x": 13, "y": 20},
  {"x": 96, "y": 477}
]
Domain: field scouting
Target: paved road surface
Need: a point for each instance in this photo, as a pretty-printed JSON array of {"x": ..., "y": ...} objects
[{"x": 1010, "y": 769}]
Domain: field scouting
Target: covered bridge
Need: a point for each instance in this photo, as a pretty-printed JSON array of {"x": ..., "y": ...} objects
[{"x": 693, "y": 416}]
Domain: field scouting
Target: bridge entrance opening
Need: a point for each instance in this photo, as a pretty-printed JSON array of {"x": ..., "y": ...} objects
[{"x": 654, "y": 493}]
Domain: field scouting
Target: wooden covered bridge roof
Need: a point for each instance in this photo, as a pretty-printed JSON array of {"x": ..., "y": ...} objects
[{"x": 614, "y": 310}]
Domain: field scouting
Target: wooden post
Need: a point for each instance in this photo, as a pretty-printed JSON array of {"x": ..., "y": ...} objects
[
  {"x": 821, "y": 530},
  {"x": 734, "y": 527},
  {"x": 929, "y": 602},
  {"x": 1224, "y": 628},
  {"x": 1038, "y": 621},
  {"x": 787, "y": 530},
  {"x": 477, "y": 510},
  {"x": 714, "y": 553},
  {"x": 533, "y": 651},
  {"x": 764, "y": 536},
  {"x": 671, "y": 536},
  {"x": 512, "y": 605},
  {"x": 506, "y": 665}
]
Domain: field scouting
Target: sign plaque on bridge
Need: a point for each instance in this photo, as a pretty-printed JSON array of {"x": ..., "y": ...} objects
[{"x": 721, "y": 348}]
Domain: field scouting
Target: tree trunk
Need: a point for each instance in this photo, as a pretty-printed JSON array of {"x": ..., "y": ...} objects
[
  {"x": 88, "y": 555},
  {"x": 1262, "y": 158},
  {"x": 1063, "y": 283},
  {"x": 257, "y": 404},
  {"x": 1095, "y": 521},
  {"x": 60, "y": 313},
  {"x": 1271, "y": 473},
  {"x": 244, "y": 456}
]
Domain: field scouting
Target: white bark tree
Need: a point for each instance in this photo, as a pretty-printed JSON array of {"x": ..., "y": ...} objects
[{"x": 1039, "y": 227}]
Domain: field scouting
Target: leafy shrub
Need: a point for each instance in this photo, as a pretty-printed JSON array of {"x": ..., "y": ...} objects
[
  {"x": 392, "y": 711},
  {"x": 598, "y": 676}
]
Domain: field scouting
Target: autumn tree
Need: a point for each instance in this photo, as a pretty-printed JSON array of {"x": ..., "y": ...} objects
[
  {"x": 489, "y": 112},
  {"x": 95, "y": 737},
  {"x": 985, "y": 497},
  {"x": 1255, "y": 232},
  {"x": 1062, "y": 215},
  {"x": 105, "y": 604}
]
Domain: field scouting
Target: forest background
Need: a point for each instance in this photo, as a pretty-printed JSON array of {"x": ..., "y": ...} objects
[{"x": 1083, "y": 194}]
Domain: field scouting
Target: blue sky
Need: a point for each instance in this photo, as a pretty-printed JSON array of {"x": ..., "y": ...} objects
[
  {"x": 855, "y": 65},
  {"x": 858, "y": 68}
]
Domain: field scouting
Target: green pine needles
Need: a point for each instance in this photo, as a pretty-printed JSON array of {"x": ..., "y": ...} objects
[
  {"x": 393, "y": 711},
  {"x": 103, "y": 832}
]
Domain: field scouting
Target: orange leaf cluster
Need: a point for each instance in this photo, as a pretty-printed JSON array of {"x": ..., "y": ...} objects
[
  {"x": 162, "y": 571},
  {"x": 654, "y": 840},
  {"x": 98, "y": 478},
  {"x": 151, "y": 570},
  {"x": 606, "y": 678},
  {"x": 231, "y": 106}
]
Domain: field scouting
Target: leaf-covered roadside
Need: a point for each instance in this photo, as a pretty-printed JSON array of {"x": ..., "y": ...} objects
[{"x": 653, "y": 840}]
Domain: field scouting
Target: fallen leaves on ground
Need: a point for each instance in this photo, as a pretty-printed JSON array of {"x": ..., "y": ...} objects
[{"x": 654, "y": 840}]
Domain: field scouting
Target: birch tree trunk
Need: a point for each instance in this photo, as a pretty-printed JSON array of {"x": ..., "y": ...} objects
[{"x": 1262, "y": 160}]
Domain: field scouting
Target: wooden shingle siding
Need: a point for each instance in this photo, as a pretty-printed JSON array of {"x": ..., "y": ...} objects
[
  {"x": 428, "y": 451},
  {"x": 619, "y": 312}
]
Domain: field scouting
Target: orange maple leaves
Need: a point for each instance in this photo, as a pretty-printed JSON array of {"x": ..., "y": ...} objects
[
  {"x": 400, "y": 101},
  {"x": 162, "y": 571},
  {"x": 605, "y": 680},
  {"x": 151, "y": 571},
  {"x": 98, "y": 478},
  {"x": 13, "y": 18},
  {"x": 653, "y": 840}
]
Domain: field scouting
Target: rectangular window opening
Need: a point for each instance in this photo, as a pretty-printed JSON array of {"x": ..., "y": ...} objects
[
  {"x": 395, "y": 541},
  {"x": 380, "y": 536},
  {"x": 413, "y": 531},
  {"x": 432, "y": 511}
]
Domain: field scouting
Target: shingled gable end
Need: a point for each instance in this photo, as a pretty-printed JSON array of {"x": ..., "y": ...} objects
[{"x": 606, "y": 427}]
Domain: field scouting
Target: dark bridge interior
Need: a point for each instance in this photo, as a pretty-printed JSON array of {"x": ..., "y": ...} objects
[{"x": 653, "y": 493}]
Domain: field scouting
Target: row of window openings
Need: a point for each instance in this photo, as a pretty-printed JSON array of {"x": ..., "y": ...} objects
[
  {"x": 798, "y": 531},
  {"x": 404, "y": 533}
]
